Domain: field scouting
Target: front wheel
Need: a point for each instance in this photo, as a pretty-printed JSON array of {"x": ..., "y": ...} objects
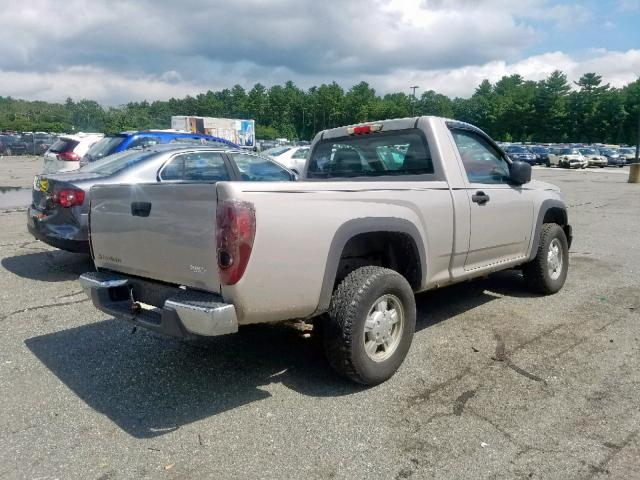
[
  {"x": 547, "y": 272},
  {"x": 370, "y": 325}
]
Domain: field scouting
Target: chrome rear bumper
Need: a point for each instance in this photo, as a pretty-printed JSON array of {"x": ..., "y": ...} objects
[{"x": 183, "y": 313}]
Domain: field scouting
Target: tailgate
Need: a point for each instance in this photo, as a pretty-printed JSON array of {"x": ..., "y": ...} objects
[{"x": 163, "y": 231}]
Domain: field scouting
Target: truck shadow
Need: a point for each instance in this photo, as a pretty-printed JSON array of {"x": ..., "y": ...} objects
[
  {"x": 49, "y": 266},
  {"x": 438, "y": 305},
  {"x": 150, "y": 385}
]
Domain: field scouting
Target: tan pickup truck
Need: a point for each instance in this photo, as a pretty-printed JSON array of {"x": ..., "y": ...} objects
[{"x": 383, "y": 210}]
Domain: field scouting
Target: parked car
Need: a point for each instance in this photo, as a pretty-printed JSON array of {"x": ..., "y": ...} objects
[
  {"x": 60, "y": 203},
  {"x": 124, "y": 141},
  {"x": 292, "y": 157},
  {"x": 628, "y": 153},
  {"x": 65, "y": 154},
  {"x": 12, "y": 145},
  {"x": 554, "y": 155},
  {"x": 614, "y": 159},
  {"x": 572, "y": 158},
  {"x": 38, "y": 143},
  {"x": 542, "y": 153},
  {"x": 520, "y": 152},
  {"x": 594, "y": 159},
  {"x": 346, "y": 249}
]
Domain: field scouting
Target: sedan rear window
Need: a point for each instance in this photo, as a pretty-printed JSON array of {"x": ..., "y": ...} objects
[
  {"x": 104, "y": 147},
  {"x": 118, "y": 162},
  {"x": 400, "y": 152},
  {"x": 63, "y": 145}
]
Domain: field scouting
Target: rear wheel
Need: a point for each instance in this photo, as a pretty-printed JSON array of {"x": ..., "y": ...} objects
[
  {"x": 547, "y": 272},
  {"x": 370, "y": 325}
]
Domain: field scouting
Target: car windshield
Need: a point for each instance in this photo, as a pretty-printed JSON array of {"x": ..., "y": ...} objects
[
  {"x": 63, "y": 145},
  {"x": 539, "y": 150},
  {"x": 627, "y": 150},
  {"x": 199, "y": 141},
  {"x": 118, "y": 162},
  {"x": 275, "y": 151},
  {"x": 516, "y": 149},
  {"x": 588, "y": 151},
  {"x": 570, "y": 151},
  {"x": 104, "y": 147},
  {"x": 606, "y": 151}
]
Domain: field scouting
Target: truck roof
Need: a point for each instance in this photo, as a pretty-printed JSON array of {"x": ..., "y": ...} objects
[{"x": 394, "y": 124}]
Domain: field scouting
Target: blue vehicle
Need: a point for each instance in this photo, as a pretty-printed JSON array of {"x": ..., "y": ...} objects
[{"x": 141, "y": 139}]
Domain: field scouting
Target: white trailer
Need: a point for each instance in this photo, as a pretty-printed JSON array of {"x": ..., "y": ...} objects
[{"x": 239, "y": 131}]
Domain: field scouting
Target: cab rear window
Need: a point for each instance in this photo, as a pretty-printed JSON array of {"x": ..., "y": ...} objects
[{"x": 398, "y": 152}]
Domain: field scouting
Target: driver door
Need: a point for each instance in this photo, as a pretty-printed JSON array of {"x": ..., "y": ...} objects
[{"x": 501, "y": 213}]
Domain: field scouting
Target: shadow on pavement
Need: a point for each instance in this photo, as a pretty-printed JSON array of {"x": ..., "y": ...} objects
[
  {"x": 438, "y": 305},
  {"x": 150, "y": 385},
  {"x": 49, "y": 266}
]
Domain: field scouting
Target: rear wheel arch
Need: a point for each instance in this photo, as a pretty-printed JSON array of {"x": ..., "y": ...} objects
[{"x": 401, "y": 239}]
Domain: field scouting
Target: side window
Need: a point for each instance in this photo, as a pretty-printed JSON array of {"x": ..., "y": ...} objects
[
  {"x": 196, "y": 167},
  {"x": 174, "y": 170},
  {"x": 481, "y": 161},
  {"x": 204, "y": 167},
  {"x": 254, "y": 168},
  {"x": 144, "y": 141}
]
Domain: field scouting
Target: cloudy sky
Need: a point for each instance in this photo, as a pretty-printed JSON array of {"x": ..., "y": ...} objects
[{"x": 115, "y": 51}]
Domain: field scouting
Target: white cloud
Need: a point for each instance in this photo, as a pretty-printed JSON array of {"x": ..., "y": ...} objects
[
  {"x": 616, "y": 68},
  {"x": 117, "y": 51}
]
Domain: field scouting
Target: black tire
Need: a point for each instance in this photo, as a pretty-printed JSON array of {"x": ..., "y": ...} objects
[
  {"x": 536, "y": 272},
  {"x": 548, "y": 164},
  {"x": 344, "y": 327}
]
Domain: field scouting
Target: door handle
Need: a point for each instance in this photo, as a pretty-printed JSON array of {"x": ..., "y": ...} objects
[
  {"x": 480, "y": 197},
  {"x": 140, "y": 209}
]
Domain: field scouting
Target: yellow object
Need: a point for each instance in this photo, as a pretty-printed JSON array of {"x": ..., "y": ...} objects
[{"x": 634, "y": 173}]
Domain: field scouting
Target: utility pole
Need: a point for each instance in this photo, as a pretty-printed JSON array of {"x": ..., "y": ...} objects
[{"x": 413, "y": 103}]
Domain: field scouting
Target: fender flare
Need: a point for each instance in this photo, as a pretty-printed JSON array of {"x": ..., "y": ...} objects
[
  {"x": 545, "y": 206},
  {"x": 355, "y": 227}
]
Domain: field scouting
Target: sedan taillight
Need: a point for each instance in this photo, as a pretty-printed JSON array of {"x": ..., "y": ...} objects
[
  {"x": 69, "y": 157},
  {"x": 68, "y": 197}
]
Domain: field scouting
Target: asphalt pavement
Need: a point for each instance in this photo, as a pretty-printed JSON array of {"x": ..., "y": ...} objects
[{"x": 499, "y": 383}]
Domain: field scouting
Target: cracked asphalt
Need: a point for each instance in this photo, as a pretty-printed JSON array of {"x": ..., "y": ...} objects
[{"x": 499, "y": 383}]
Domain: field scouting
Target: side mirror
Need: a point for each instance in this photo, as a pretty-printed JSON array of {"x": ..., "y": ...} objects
[{"x": 520, "y": 172}]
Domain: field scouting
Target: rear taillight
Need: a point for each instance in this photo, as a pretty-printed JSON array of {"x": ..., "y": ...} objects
[
  {"x": 69, "y": 157},
  {"x": 235, "y": 231},
  {"x": 68, "y": 197}
]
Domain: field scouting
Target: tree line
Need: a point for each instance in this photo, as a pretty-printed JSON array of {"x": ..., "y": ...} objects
[{"x": 512, "y": 109}]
